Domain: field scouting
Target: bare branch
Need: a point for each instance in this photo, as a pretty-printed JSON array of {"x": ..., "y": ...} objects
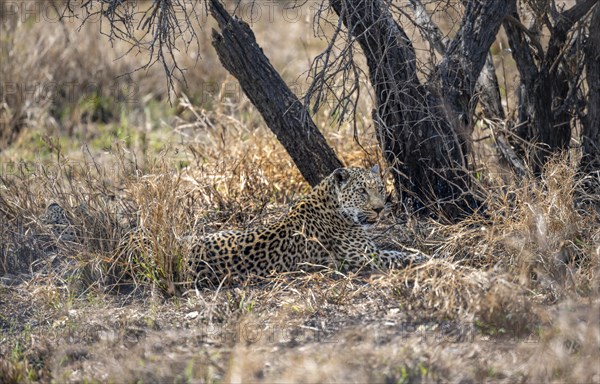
[
  {"x": 511, "y": 156},
  {"x": 326, "y": 69},
  {"x": 560, "y": 32},
  {"x": 514, "y": 21},
  {"x": 428, "y": 27},
  {"x": 571, "y": 16},
  {"x": 156, "y": 29}
]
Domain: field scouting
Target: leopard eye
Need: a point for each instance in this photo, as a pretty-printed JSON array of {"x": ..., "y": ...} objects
[{"x": 362, "y": 191}]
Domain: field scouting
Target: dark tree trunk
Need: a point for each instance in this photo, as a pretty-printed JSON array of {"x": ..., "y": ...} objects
[
  {"x": 591, "y": 127},
  {"x": 487, "y": 90},
  {"x": 284, "y": 114},
  {"x": 544, "y": 109},
  {"x": 424, "y": 130},
  {"x": 465, "y": 57}
]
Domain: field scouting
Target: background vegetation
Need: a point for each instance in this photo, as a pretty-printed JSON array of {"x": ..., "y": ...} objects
[{"x": 511, "y": 295}]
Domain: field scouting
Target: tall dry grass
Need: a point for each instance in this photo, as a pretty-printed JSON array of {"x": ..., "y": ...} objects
[{"x": 527, "y": 268}]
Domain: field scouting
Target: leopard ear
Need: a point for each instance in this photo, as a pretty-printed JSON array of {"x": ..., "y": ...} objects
[
  {"x": 340, "y": 176},
  {"x": 375, "y": 169}
]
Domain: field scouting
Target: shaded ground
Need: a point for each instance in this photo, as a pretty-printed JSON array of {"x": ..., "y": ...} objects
[{"x": 306, "y": 328}]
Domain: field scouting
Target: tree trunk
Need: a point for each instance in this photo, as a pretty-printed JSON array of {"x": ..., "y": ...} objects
[
  {"x": 487, "y": 92},
  {"x": 465, "y": 58},
  {"x": 544, "y": 109},
  {"x": 284, "y": 114},
  {"x": 591, "y": 127},
  {"x": 424, "y": 130}
]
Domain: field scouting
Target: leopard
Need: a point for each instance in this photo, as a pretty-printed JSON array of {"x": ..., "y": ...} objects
[
  {"x": 83, "y": 225},
  {"x": 327, "y": 228},
  {"x": 59, "y": 222}
]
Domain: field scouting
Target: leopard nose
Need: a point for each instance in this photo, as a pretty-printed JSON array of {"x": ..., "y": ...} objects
[{"x": 378, "y": 210}]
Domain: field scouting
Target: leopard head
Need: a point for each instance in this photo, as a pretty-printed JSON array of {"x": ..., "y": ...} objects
[{"x": 360, "y": 194}]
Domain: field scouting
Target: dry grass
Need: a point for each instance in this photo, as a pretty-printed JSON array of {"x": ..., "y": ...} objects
[
  {"x": 507, "y": 296},
  {"x": 516, "y": 285}
]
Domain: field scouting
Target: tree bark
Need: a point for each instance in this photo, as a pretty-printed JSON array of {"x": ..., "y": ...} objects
[
  {"x": 284, "y": 114},
  {"x": 591, "y": 127},
  {"x": 465, "y": 58},
  {"x": 488, "y": 91}
]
